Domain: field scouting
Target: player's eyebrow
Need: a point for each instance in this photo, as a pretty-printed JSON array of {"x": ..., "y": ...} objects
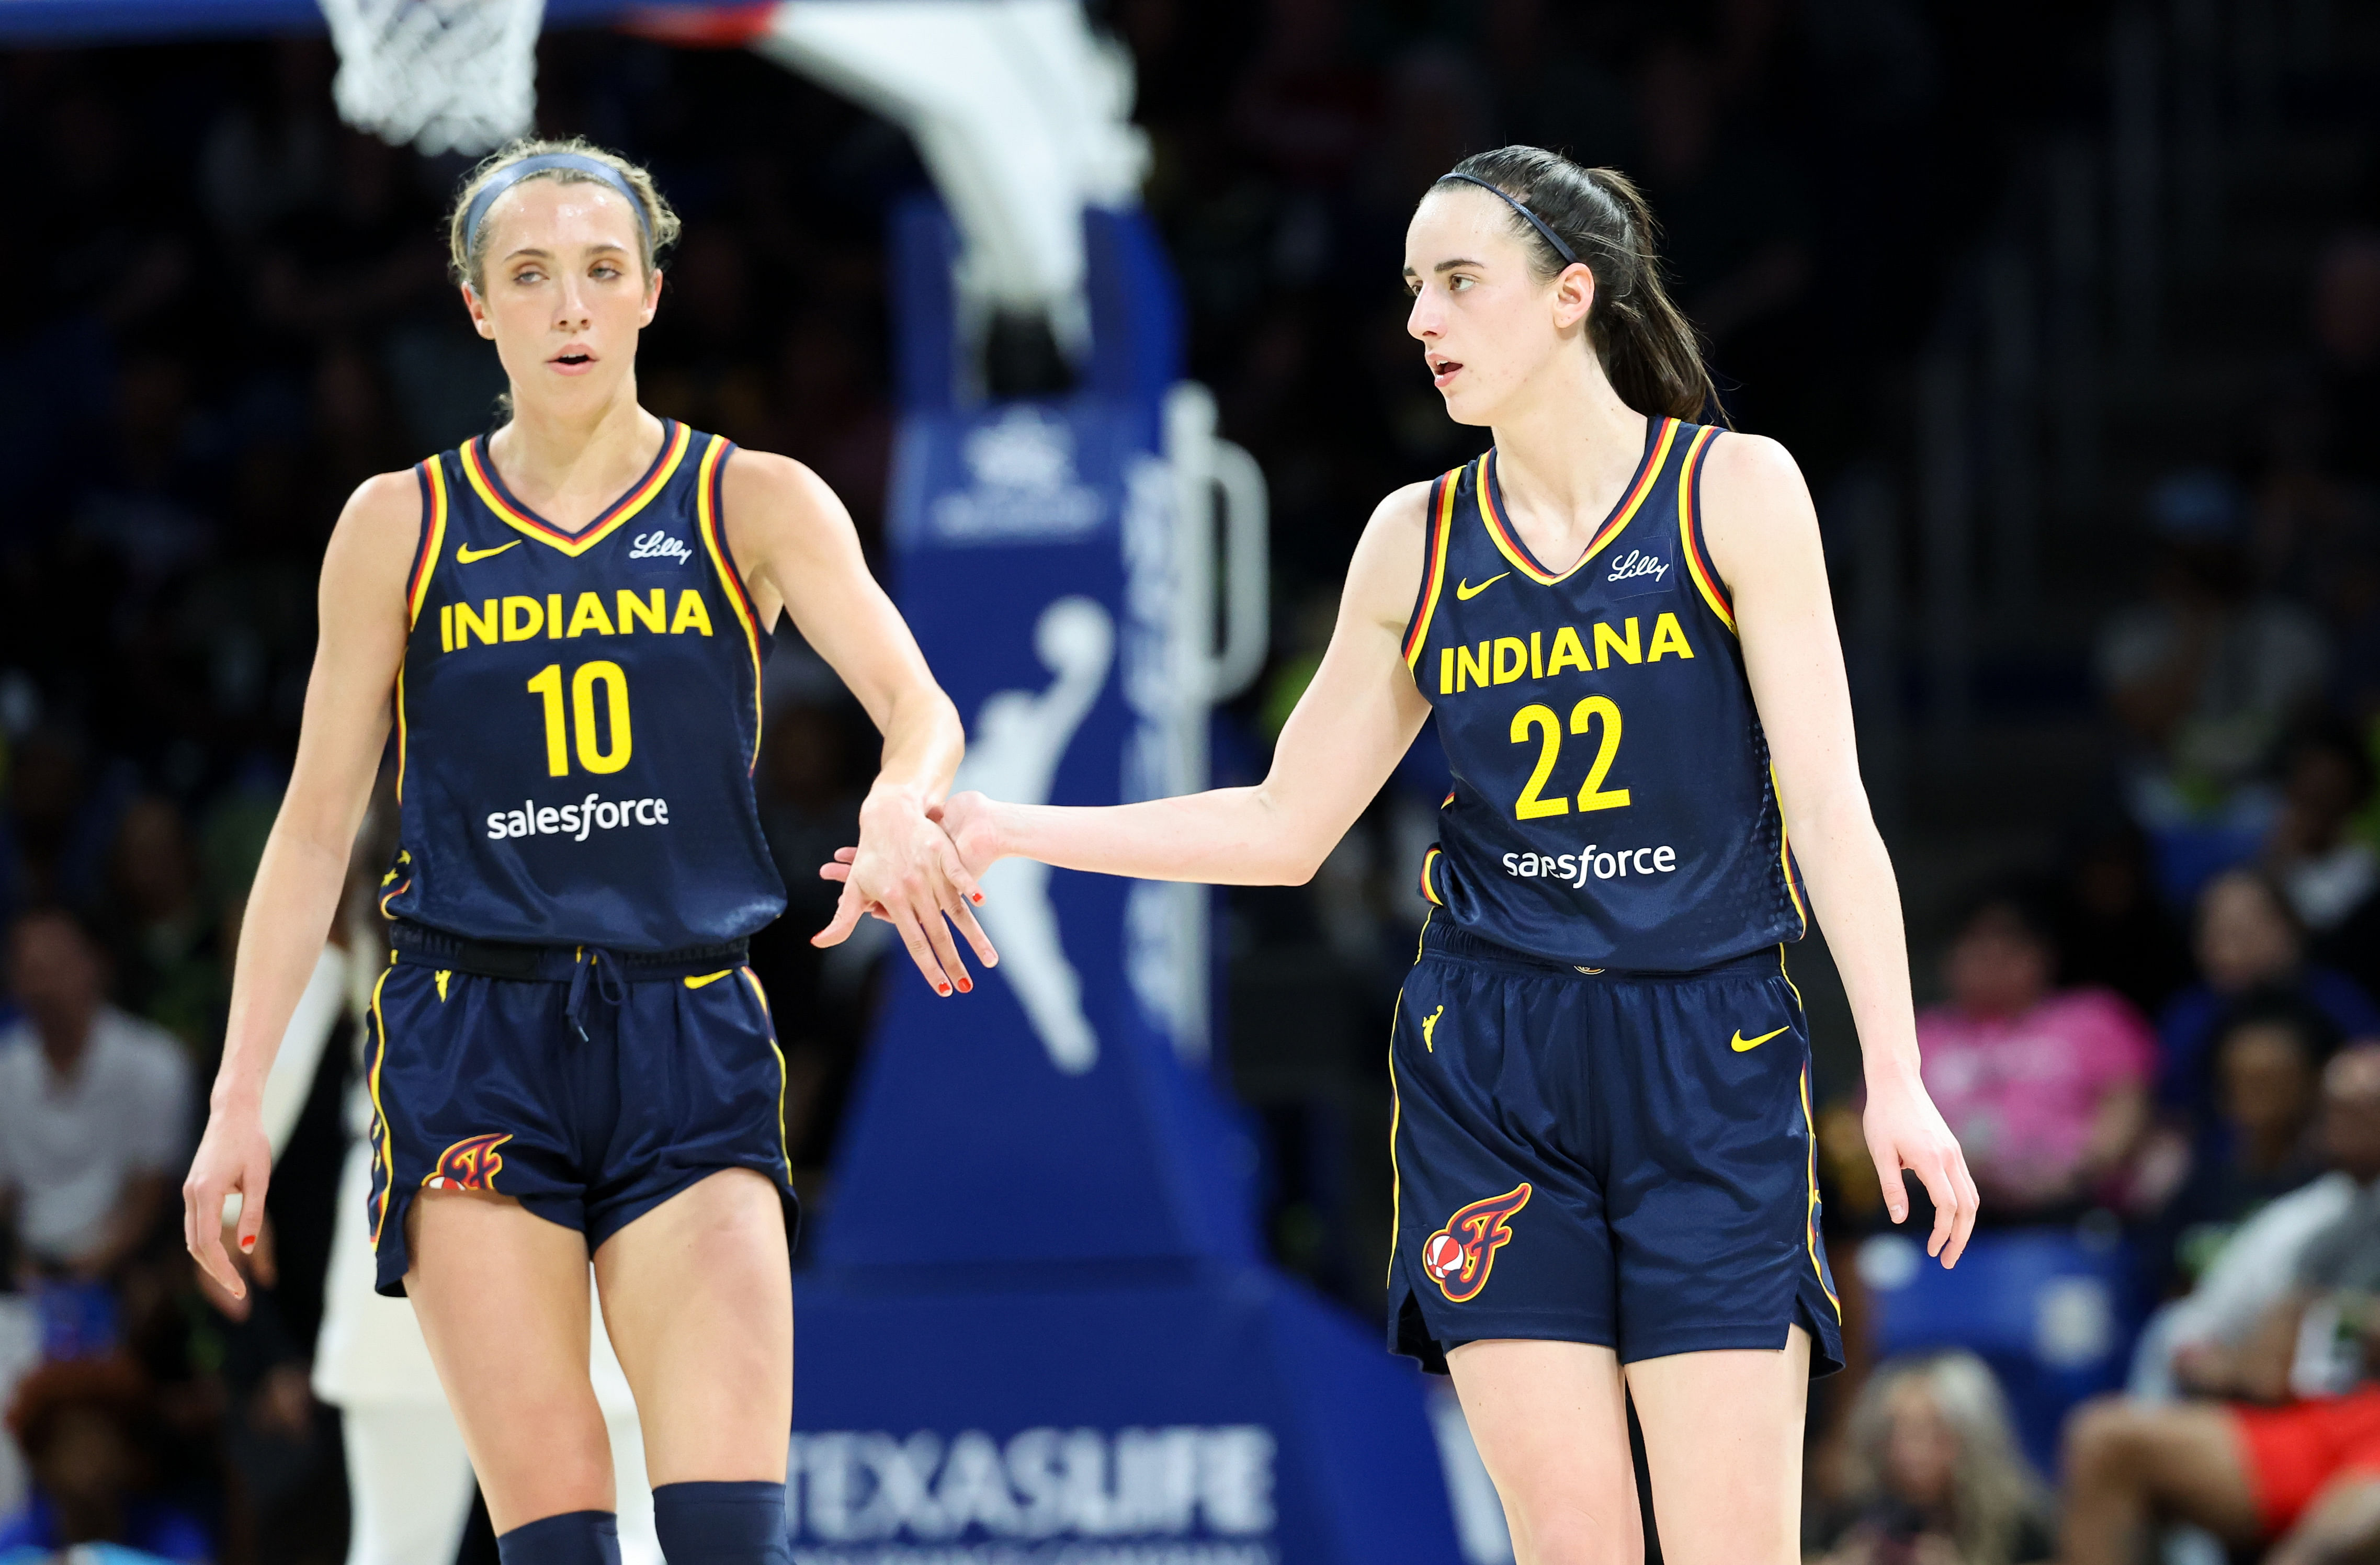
[{"x": 1446, "y": 266}]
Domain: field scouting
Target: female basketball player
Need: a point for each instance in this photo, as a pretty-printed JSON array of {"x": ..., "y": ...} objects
[
  {"x": 1602, "y": 1140},
  {"x": 568, "y": 1055}
]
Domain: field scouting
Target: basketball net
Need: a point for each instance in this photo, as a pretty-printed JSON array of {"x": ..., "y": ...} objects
[{"x": 449, "y": 76}]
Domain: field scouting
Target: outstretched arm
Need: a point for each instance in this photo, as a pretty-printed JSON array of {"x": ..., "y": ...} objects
[
  {"x": 1349, "y": 729},
  {"x": 305, "y": 861},
  {"x": 1764, "y": 540},
  {"x": 799, "y": 551}
]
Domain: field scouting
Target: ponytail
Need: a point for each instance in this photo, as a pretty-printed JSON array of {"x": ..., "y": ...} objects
[{"x": 1645, "y": 343}]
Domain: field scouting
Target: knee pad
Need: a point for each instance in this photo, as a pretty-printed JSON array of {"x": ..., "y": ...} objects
[
  {"x": 720, "y": 1523},
  {"x": 575, "y": 1537}
]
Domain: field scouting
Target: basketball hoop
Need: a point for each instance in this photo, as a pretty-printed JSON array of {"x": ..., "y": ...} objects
[{"x": 449, "y": 76}]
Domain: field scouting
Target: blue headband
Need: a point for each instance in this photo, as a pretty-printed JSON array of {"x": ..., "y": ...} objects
[
  {"x": 578, "y": 161},
  {"x": 1570, "y": 257}
]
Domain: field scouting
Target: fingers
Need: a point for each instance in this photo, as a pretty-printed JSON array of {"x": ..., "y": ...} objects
[
  {"x": 834, "y": 871},
  {"x": 1888, "y": 1173},
  {"x": 964, "y": 916},
  {"x": 1954, "y": 1214},
  {"x": 202, "y": 1234},
  {"x": 955, "y": 870},
  {"x": 848, "y": 909},
  {"x": 251, "y": 1209},
  {"x": 921, "y": 949},
  {"x": 960, "y": 897},
  {"x": 928, "y": 910},
  {"x": 1970, "y": 1204}
]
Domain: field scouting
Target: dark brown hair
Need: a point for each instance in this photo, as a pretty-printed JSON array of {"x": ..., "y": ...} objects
[{"x": 1646, "y": 345}]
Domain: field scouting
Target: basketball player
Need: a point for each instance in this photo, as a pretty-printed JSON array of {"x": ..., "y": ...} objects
[
  {"x": 1619, "y": 619},
  {"x": 568, "y": 1055}
]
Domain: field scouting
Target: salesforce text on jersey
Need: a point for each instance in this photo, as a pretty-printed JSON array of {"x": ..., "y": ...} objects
[
  {"x": 1607, "y": 864},
  {"x": 593, "y": 813}
]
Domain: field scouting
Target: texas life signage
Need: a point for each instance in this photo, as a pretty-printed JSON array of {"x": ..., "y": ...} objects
[{"x": 1037, "y": 1328}]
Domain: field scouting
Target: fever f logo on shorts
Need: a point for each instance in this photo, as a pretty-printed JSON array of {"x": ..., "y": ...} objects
[
  {"x": 470, "y": 1164},
  {"x": 1460, "y": 1255}
]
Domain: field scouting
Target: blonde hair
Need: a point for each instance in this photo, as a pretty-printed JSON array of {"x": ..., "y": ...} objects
[
  {"x": 467, "y": 253},
  {"x": 1992, "y": 1490}
]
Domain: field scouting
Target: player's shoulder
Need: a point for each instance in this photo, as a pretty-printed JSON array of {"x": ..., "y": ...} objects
[
  {"x": 1402, "y": 516},
  {"x": 385, "y": 511},
  {"x": 767, "y": 478},
  {"x": 1748, "y": 463}
]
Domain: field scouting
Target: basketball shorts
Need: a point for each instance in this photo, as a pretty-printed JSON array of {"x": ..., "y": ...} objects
[
  {"x": 589, "y": 1086},
  {"x": 1620, "y": 1158}
]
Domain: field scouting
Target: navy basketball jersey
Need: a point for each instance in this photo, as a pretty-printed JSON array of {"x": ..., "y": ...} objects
[
  {"x": 1613, "y": 805},
  {"x": 579, "y": 715}
]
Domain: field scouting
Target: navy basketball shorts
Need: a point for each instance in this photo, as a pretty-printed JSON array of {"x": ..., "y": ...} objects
[
  {"x": 589, "y": 1086},
  {"x": 1620, "y": 1158}
]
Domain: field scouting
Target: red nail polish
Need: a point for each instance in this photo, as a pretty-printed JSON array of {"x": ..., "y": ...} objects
[
  {"x": 979, "y": 896},
  {"x": 248, "y": 1244},
  {"x": 966, "y": 987},
  {"x": 944, "y": 988}
]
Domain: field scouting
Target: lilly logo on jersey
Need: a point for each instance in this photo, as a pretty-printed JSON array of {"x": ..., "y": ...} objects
[
  {"x": 471, "y": 1163},
  {"x": 1636, "y": 573},
  {"x": 576, "y": 822},
  {"x": 1460, "y": 1255},
  {"x": 1604, "y": 865},
  {"x": 659, "y": 545}
]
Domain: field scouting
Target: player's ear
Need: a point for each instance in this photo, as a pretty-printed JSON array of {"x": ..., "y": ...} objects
[
  {"x": 479, "y": 322},
  {"x": 652, "y": 298},
  {"x": 1574, "y": 295}
]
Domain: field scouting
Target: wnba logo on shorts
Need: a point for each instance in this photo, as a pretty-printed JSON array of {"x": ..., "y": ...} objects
[
  {"x": 1461, "y": 1255},
  {"x": 470, "y": 1164}
]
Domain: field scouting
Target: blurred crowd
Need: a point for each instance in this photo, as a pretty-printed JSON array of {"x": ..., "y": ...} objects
[{"x": 2158, "y": 1049}]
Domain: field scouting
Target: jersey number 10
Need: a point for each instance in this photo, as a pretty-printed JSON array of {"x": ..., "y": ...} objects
[
  {"x": 593, "y": 753},
  {"x": 1592, "y": 795}
]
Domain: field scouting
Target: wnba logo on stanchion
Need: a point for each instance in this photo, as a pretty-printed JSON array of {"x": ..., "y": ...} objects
[
  {"x": 1460, "y": 1255},
  {"x": 470, "y": 1164}
]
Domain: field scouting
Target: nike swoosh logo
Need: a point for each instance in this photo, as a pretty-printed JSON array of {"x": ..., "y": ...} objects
[
  {"x": 1740, "y": 1043},
  {"x": 694, "y": 983},
  {"x": 1465, "y": 592},
  {"x": 465, "y": 555}
]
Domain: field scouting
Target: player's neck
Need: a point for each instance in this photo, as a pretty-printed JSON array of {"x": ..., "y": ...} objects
[
  {"x": 559, "y": 461},
  {"x": 1564, "y": 452}
]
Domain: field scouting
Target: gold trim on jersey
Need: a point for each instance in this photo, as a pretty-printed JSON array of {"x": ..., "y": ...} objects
[
  {"x": 785, "y": 1149},
  {"x": 1811, "y": 1224},
  {"x": 712, "y": 527},
  {"x": 425, "y": 565},
  {"x": 1508, "y": 542},
  {"x": 1433, "y": 564},
  {"x": 384, "y": 1149},
  {"x": 664, "y": 468},
  {"x": 1690, "y": 539}
]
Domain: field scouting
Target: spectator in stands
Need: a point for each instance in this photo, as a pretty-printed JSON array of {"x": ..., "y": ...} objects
[
  {"x": 2047, "y": 1089},
  {"x": 2263, "y": 1143},
  {"x": 95, "y": 1108},
  {"x": 2194, "y": 1345},
  {"x": 1938, "y": 1477},
  {"x": 2249, "y": 938},
  {"x": 2304, "y": 1473},
  {"x": 84, "y": 1426},
  {"x": 2204, "y": 675},
  {"x": 2314, "y": 851}
]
